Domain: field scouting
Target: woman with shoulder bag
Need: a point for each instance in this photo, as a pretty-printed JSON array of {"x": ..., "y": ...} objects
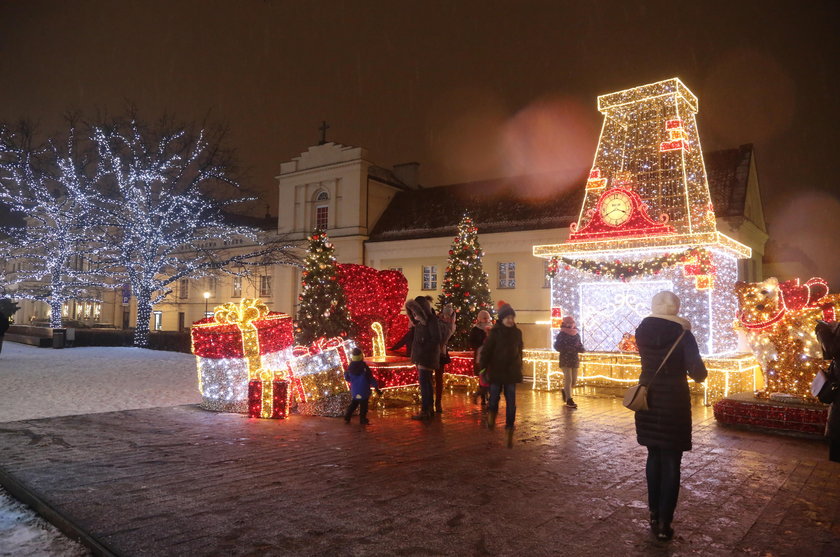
[{"x": 668, "y": 353}]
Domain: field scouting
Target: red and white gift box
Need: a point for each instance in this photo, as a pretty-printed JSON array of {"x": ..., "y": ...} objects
[{"x": 229, "y": 353}]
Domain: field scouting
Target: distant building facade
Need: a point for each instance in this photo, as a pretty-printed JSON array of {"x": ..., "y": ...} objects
[{"x": 382, "y": 218}]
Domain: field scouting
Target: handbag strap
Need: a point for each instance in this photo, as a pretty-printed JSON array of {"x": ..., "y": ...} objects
[{"x": 679, "y": 338}]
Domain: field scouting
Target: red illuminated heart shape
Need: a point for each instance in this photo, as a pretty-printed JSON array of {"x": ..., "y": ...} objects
[{"x": 374, "y": 296}]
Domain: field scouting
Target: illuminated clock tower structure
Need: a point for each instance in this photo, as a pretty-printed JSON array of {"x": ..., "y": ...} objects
[{"x": 646, "y": 224}]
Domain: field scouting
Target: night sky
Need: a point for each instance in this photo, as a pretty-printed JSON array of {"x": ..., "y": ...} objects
[{"x": 470, "y": 90}]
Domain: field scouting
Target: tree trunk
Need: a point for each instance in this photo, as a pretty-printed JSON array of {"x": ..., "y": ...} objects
[
  {"x": 144, "y": 314},
  {"x": 55, "y": 313},
  {"x": 56, "y": 287}
]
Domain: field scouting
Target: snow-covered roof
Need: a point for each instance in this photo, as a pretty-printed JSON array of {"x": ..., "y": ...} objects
[{"x": 534, "y": 202}]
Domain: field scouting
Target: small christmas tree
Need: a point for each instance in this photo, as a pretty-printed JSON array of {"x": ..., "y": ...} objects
[
  {"x": 465, "y": 283},
  {"x": 323, "y": 310}
]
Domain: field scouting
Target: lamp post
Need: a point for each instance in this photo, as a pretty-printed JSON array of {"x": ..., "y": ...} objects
[{"x": 206, "y": 298}]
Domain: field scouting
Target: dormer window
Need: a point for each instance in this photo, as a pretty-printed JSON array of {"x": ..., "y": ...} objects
[{"x": 322, "y": 210}]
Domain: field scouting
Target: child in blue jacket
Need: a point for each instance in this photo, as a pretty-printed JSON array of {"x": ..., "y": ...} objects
[{"x": 361, "y": 379}]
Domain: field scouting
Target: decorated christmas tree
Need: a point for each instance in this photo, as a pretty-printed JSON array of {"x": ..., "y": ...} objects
[
  {"x": 323, "y": 309},
  {"x": 465, "y": 283}
]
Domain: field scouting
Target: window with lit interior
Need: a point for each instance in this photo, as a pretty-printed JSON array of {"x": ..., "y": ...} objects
[{"x": 322, "y": 210}]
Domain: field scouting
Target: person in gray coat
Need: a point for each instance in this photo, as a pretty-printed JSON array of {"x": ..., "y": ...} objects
[
  {"x": 425, "y": 350},
  {"x": 665, "y": 428}
]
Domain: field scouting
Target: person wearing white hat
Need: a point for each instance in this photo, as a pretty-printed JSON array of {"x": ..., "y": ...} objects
[{"x": 668, "y": 354}]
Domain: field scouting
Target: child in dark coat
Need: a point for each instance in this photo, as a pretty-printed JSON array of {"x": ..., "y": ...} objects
[
  {"x": 361, "y": 379},
  {"x": 568, "y": 343}
]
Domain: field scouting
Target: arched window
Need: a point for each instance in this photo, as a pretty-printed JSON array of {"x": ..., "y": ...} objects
[{"x": 322, "y": 210}]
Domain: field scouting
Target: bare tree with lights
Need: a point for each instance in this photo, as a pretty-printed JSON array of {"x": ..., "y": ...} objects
[
  {"x": 465, "y": 283},
  {"x": 55, "y": 254},
  {"x": 165, "y": 190}
]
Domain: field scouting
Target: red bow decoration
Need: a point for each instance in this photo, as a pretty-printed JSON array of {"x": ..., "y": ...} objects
[
  {"x": 798, "y": 296},
  {"x": 318, "y": 345},
  {"x": 795, "y": 296}
]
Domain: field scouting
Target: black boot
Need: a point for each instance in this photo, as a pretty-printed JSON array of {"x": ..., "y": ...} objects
[
  {"x": 665, "y": 532},
  {"x": 423, "y": 415}
]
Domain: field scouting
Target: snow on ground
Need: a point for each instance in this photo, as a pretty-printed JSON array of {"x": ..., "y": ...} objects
[
  {"x": 22, "y": 532},
  {"x": 44, "y": 382}
]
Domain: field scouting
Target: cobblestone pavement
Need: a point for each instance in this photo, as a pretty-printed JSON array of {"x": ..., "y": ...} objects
[{"x": 182, "y": 481}]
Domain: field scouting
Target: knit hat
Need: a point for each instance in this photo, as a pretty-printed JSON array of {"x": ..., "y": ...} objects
[
  {"x": 505, "y": 309},
  {"x": 666, "y": 305},
  {"x": 568, "y": 322},
  {"x": 357, "y": 355}
]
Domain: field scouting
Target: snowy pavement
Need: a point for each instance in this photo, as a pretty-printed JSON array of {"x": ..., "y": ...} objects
[{"x": 43, "y": 383}]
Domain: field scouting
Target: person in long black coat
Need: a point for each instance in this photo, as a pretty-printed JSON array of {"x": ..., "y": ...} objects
[
  {"x": 829, "y": 336},
  {"x": 501, "y": 357},
  {"x": 425, "y": 350},
  {"x": 4, "y": 326},
  {"x": 665, "y": 429}
]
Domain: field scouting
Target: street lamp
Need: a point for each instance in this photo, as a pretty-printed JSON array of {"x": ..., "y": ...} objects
[{"x": 206, "y": 297}]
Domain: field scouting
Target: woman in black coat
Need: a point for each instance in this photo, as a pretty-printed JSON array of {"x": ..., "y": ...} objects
[
  {"x": 665, "y": 429},
  {"x": 425, "y": 350}
]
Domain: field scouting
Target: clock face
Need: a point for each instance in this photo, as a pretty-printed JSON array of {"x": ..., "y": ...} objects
[{"x": 616, "y": 208}]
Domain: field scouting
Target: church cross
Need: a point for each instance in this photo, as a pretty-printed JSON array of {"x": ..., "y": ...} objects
[{"x": 323, "y": 127}]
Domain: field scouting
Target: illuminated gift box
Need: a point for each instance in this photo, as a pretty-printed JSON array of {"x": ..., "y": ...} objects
[
  {"x": 317, "y": 371},
  {"x": 393, "y": 371},
  {"x": 460, "y": 371},
  {"x": 240, "y": 343},
  {"x": 268, "y": 399}
]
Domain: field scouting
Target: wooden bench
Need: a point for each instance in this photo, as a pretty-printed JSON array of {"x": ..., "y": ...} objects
[{"x": 27, "y": 334}]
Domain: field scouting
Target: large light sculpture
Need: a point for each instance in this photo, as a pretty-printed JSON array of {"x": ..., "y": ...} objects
[{"x": 646, "y": 224}]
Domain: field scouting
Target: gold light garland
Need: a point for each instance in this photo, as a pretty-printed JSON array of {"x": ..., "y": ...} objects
[{"x": 620, "y": 270}]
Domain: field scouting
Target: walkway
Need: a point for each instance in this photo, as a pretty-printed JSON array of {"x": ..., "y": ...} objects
[{"x": 182, "y": 481}]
